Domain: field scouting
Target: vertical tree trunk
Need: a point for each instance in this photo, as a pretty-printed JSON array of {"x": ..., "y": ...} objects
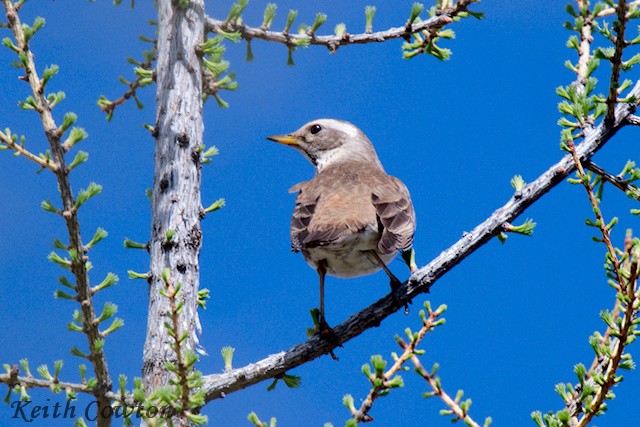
[{"x": 176, "y": 201}]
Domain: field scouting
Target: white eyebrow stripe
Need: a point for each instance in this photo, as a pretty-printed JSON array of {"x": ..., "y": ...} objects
[{"x": 347, "y": 128}]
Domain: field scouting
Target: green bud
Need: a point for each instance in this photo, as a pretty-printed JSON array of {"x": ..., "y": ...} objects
[
  {"x": 92, "y": 190},
  {"x": 320, "y": 19},
  {"x": 291, "y": 16},
  {"x": 227, "y": 356},
  {"x": 269, "y": 15},
  {"x": 369, "y": 13},
  {"x": 80, "y": 158}
]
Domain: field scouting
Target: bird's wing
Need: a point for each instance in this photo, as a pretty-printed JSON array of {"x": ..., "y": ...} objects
[
  {"x": 311, "y": 228},
  {"x": 306, "y": 202},
  {"x": 396, "y": 215}
]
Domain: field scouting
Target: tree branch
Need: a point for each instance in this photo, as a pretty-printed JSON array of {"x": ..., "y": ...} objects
[
  {"x": 78, "y": 266},
  {"x": 616, "y": 60},
  {"x": 218, "y": 385},
  {"x": 616, "y": 181},
  {"x": 633, "y": 120},
  {"x": 602, "y": 375},
  {"x": 19, "y": 149},
  {"x": 612, "y": 11},
  {"x": 584, "y": 49},
  {"x": 334, "y": 41},
  {"x": 33, "y": 382},
  {"x": 377, "y": 390},
  {"x": 455, "y": 408}
]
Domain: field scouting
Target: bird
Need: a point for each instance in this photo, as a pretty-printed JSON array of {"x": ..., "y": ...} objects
[{"x": 352, "y": 218}]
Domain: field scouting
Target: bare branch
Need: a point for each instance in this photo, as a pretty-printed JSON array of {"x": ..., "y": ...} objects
[
  {"x": 218, "y": 385},
  {"x": 633, "y": 120}
]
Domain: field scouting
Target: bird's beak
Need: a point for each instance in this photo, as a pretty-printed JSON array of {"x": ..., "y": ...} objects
[{"x": 284, "y": 139}]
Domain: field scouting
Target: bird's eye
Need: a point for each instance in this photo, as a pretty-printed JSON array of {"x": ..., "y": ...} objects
[{"x": 315, "y": 129}]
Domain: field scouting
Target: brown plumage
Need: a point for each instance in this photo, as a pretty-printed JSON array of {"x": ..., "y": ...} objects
[{"x": 352, "y": 218}]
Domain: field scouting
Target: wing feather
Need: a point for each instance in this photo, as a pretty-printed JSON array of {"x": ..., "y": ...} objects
[{"x": 395, "y": 215}]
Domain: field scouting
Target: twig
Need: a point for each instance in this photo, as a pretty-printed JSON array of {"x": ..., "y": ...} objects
[
  {"x": 110, "y": 106},
  {"x": 437, "y": 389},
  {"x": 633, "y": 120},
  {"x": 584, "y": 49},
  {"x": 607, "y": 365},
  {"x": 334, "y": 41},
  {"x": 78, "y": 268},
  {"x": 616, "y": 181},
  {"x": 44, "y": 163},
  {"x": 602, "y": 225},
  {"x": 612, "y": 11},
  {"x": 362, "y": 414},
  {"x": 616, "y": 60},
  {"x": 218, "y": 385},
  {"x": 33, "y": 382},
  {"x": 182, "y": 370}
]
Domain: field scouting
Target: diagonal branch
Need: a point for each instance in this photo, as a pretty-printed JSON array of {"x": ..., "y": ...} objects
[
  {"x": 218, "y": 385},
  {"x": 616, "y": 181},
  {"x": 45, "y": 163}
]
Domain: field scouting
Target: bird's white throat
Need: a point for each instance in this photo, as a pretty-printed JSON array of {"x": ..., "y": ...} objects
[{"x": 347, "y": 153}]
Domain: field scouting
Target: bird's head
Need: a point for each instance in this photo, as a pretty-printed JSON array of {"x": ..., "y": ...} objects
[{"x": 327, "y": 142}]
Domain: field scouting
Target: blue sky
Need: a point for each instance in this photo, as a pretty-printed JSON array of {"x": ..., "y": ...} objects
[{"x": 455, "y": 132}]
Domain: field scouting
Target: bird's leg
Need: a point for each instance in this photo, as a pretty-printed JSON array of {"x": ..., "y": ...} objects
[
  {"x": 322, "y": 271},
  {"x": 393, "y": 280},
  {"x": 323, "y": 327}
]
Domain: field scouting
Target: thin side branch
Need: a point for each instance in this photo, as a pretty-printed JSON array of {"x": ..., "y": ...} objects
[
  {"x": 607, "y": 363},
  {"x": 616, "y": 60},
  {"x": 362, "y": 414},
  {"x": 334, "y": 41},
  {"x": 584, "y": 49},
  {"x": 604, "y": 231},
  {"x": 44, "y": 163},
  {"x": 612, "y": 11},
  {"x": 460, "y": 414},
  {"x": 33, "y": 382},
  {"x": 633, "y": 120},
  {"x": 218, "y": 385},
  {"x": 109, "y": 106},
  {"x": 616, "y": 181}
]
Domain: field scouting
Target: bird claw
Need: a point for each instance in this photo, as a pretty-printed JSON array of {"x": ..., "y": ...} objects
[{"x": 324, "y": 331}]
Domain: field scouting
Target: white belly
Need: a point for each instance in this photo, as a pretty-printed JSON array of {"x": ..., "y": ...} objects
[{"x": 350, "y": 257}]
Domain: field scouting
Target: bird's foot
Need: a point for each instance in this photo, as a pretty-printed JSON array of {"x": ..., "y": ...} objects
[{"x": 324, "y": 331}]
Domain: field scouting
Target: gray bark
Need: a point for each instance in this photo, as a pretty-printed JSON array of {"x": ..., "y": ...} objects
[{"x": 176, "y": 201}]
